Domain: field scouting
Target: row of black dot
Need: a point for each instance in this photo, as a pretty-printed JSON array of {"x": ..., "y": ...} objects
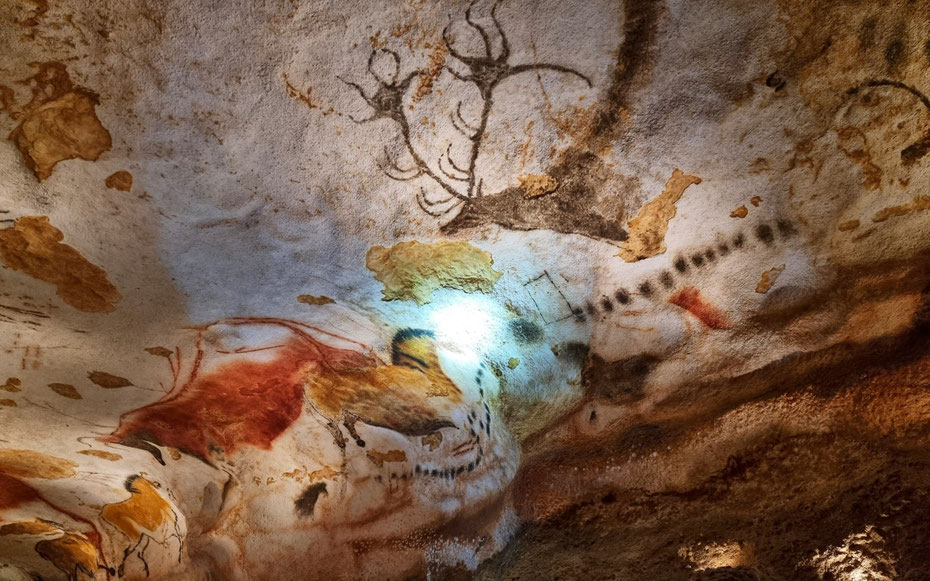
[
  {"x": 444, "y": 473},
  {"x": 764, "y": 233}
]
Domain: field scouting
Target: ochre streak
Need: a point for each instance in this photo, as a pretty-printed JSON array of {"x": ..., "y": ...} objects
[{"x": 689, "y": 298}]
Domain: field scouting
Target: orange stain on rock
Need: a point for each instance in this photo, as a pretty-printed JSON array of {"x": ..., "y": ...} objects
[
  {"x": 689, "y": 298},
  {"x": 33, "y": 527},
  {"x": 32, "y": 245},
  {"x": 60, "y": 122},
  {"x": 120, "y": 180}
]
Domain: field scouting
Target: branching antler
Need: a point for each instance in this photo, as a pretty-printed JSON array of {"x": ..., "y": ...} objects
[
  {"x": 920, "y": 148},
  {"x": 486, "y": 72}
]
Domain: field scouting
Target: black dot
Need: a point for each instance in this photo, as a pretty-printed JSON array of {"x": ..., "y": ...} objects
[
  {"x": 785, "y": 228},
  {"x": 608, "y": 306},
  {"x": 460, "y": 469},
  {"x": 893, "y": 52},
  {"x": 417, "y": 469},
  {"x": 723, "y": 248},
  {"x": 697, "y": 259},
  {"x": 579, "y": 314},
  {"x": 666, "y": 278},
  {"x": 471, "y": 466},
  {"x": 764, "y": 233},
  {"x": 645, "y": 288},
  {"x": 711, "y": 256},
  {"x": 739, "y": 240},
  {"x": 590, "y": 308},
  {"x": 681, "y": 265},
  {"x": 622, "y": 296},
  {"x": 434, "y": 472}
]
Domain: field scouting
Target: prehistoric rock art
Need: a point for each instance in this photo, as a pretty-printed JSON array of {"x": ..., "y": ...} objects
[
  {"x": 648, "y": 228},
  {"x": 34, "y": 246},
  {"x": 59, "y": 123},
  {"x": 121, "y": 180},
  {"x": 413, "y": 270},
  {"x": 480, "y": 289}
]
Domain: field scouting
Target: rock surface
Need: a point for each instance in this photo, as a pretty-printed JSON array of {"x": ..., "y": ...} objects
[{"x": 518, "y": 289}]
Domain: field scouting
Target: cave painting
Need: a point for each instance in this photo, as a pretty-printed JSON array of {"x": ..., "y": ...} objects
[
  {"x": 224, "y": 407},
  {"x": 695, "y": 236},
  {"x": 453, "y": 182}
]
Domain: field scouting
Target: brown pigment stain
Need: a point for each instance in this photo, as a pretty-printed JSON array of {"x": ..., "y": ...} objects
[
  {"x": 431, "y": 441},
  {"x": 65, "y": 390},
  {"x": 437, "y": 59},
  {"x": 34, "y": 527},
  {"x": 768, "y": 279},
  {"x": 919, "y": 203},
  {"x": 121, "y": 180},
  {"x": 159, "y": 351},
  {"x": 102, "y": 454},
  {"x": 740, "y": 212},
  {"x": 647, "y": 230},
  {"x": 755, "y": 201},
  {"x": 314, "y": 300},
  {"x": 108, "y": 381},
  {"x": 326, "y": 473},
  {"x": 12, "y": 385},
  {"x": 8, "y": 403},
  {"x": 848, "y": 225},
  {"x": 852, "y": 143},
  {"x": 535, "y": 185},
  {"x": 304, "y": 98},
  {"x": 689, "y": 298},
  {"x": 143, "y": 512},
  {"x": 413, "y": 270},
  {"x": 32, "y": 245},
  {"x": 32, "y": 464},
  {"x": 32, "y": 21},
  {"x": 379, "y": 458},
  {"x": 60, "y": 122}
]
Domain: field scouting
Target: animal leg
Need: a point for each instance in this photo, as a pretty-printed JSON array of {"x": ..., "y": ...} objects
[{"x": 349, "y": 419}]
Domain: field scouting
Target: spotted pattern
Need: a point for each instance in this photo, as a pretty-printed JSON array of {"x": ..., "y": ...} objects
[{"x": 768, "y": 234}]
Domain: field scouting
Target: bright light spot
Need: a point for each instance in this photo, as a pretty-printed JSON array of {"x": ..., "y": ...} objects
[{"x": 465, "y": 325}]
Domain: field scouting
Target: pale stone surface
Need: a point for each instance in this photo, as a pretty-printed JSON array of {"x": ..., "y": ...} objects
[{"x": 700, "y": 231}]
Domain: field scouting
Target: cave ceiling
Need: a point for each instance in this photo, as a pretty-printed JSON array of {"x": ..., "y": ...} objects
[{"x": 422, "y": 289}]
